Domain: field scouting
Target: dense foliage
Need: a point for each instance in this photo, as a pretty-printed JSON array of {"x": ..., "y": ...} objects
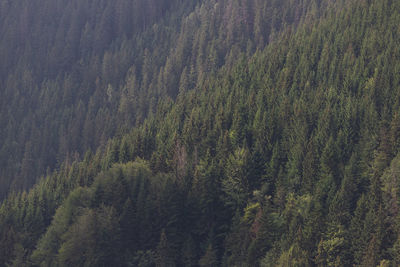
[
  {"x": 75, "y": 73},
  {"x": 244, "y": 133}
]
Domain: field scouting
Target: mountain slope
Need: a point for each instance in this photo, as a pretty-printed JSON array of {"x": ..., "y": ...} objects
[
  {"x": 76, "y": 73},
  {"x": 286, "y": 157}
]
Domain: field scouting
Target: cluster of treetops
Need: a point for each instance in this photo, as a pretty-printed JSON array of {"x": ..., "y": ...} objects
[{"x": 200, "y": 133}]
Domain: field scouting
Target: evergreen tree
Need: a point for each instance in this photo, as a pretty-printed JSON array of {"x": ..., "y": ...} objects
[{"x": 164, "y": 252}]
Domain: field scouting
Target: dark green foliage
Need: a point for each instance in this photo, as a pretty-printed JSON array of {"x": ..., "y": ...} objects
[
  {"x": 164, "y": 253},
  {"x": 209, "y": 258},
  {"x": 227, "y": 133}
]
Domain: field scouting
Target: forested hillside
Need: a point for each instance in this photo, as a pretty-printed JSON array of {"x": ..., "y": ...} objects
[
  {"x": 75, "y": 73},
  {"x": 208, "y": 133}
]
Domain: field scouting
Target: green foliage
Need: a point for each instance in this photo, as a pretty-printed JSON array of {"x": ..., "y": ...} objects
[
  {"x": 164, "y": 254},
  {"x": 227, "y": 133},
  {"x": 209, "y": 258},
  {"x": 236, "y": 184}
]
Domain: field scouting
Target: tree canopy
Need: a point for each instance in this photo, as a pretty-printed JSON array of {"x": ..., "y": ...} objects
[{"x": 200, "y": 133}]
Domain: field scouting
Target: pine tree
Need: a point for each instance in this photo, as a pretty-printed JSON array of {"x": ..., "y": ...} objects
[
  {"x": 209, "y": 258},
  {"x": 164, "y": 252}
]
